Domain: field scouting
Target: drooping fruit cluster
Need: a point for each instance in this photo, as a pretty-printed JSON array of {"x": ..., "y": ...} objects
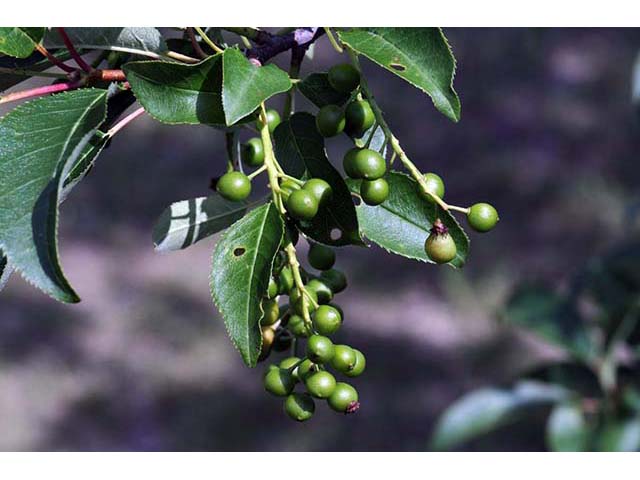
[{"x": 309, "y": 316}]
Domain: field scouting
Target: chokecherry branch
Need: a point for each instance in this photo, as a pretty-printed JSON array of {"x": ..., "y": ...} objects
[
  {"x": 194, "y": 43},
  {"x": 272, "y": 45},
  {"x": 124, "y": 122},
  {"x": 208, "y": 41},
  {"x": 40, "y": 91},
  {"x": 72, "y": 50},
  {"x": 53, "y": 59}
]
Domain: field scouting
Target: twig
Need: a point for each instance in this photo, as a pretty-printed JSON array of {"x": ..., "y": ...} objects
[
  {"x": 208, "y": 41},
  {"x": 194, "y": 43},
  {"x": 125, "y": 121},
  {"x": 72, "y": 50},
  {"x": 40, "y": 91},
  {"x": 334, "y": 43},
  {"x": 276, "y": 44},
  {"x": 57, "y": 62}
]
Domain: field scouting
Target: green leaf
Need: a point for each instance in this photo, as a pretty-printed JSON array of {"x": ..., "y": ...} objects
[
  {"x": 84, "y": 162},
  {"x": 39, "y": 141},
  {"x": 421, "y": 56},
  {"x": 300, "y": 150},
  {"x": 401, "y": 224},
  {"x": 482, "y": 411},
  {"x": 5, "y": 269},
  {"x": 242, "y": 263},
  {"x": 184, "y": 223},
  {"x": 551, "y": 317},
  {"x": 20, "y": 41},
  {"x": 35, "y": 62},
  {"x": 136, "y": 40},
  {"x": 317, "y": 89},
  {"x": 378, "y": 140},
  {"x": 246, "y": 86},
  {"x": 620, "y": 436},
  {"x": 567, "y": 429}
]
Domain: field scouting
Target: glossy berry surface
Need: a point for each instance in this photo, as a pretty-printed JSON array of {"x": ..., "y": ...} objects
[
  {"x": 369, "y": 164},
  {"x": 272, "y": 289},
  {"x": 320, "y": 384},
  {"x": 359, "y": 366},
  {"x": 279, "y": 382},
  {"x": 344, "y": 77},
  {"x": 253, "y": 152},
  {"x": 306, "y": 368},
  {"x": 321, "y": 257},
  {"x": 374, "y": 192},
  {"x": 234, "y": 186},
  {"x": 271, "y": 312},
  {"x": 335, "y": 279},
  {"x": 297, "y": 326},
  {"x": 482, "y": 217},
  {"x": 344, "y": 358},
  {"x": 330, "y": 121},
  {"x": 288, "y": 186},
  {"x": 359, "y": 118},
  {"x": 326, "y": 320},
  {"x": 320, "y": 349},
  {"x": 440, "y": 246},
  {"x": 348, "y": 162},
  {"x": 320, "y": 189},
  {"x": 302, "y": 205},
  {"x": 273, "y": 120},
  {"x": 323, "y": 292},
  {"x": 344, "y": 398},
  {"x": 289, "y": 362},
  {"x": 285, "y": 281},
  {"x": 268, "y": 336},
  {"x": 435, "y": 185},
  {"x": 299, "y": 406}
]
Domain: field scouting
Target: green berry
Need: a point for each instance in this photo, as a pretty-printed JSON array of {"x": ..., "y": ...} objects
[
  {"x": 334, "y": 279},
  {"x": 285, "y": 281},
  {"x": 440, "y": 246},
  {"x": 323, "y": 292},
  {"x": 234, "y": 186},
  {"x": 348, "y": 162},
  {"x": 273, "y": 120},
  {"x": 320, "y": 349},
  {"x": 359, "y": 118},
  {"x": 482, "y": 217},
  {"x": 296, "y": 300},
  {"x": 272, "y": 289},
  {"x": 344, "y": 398},
  {"x": 302, "y": 205},
  {"x": 279, "y": 382},
  {"x": 288, "y": 186},
  {"x": 326, "y": 320},
  {"x": 297, "y": 326},
  {"x": 299, "y": 406},
  {"x": 268, "y": 336},
  {"x": 435, "y": 185},
  {"x": 368, "y": 164},
  {"x": 330, "y": 121},
  {"x": 320, "y": 384},
  {"x": 320, "y": 189},
  {"x": 289, "y": 362},
  {"x": 253, "y": 152},
  {"x": 271, "y": 313},
  {"x": 344, "y": 358},
  {"x": 359, "y": 365},
  {"x": 321, "y": 257},
  {"x": 306, "y": 368},
  {"x": 337, "y": 307},
  {"x": 374, "y": 192},
  {"x": 344, "y": 77}
]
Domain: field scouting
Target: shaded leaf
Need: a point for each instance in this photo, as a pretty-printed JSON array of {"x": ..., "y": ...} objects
[
  {"x": 378, "y": 140},
  {"x": 317, "y": 89},
  {"x": 20, "y": 41},
  {"x": 242, "y": 263},
  {"x": 482, "y": 411},
  {"x": 401, "y": 224},
  {"x": 567, "y": 429},
  {"x": 84, "y": 162},
  {"x": 39, "y": 141},
  {"x": 34, "y": 62},
  {"x": 137, "y": 40},
  {"x": 300, "y": 150},
  {"x": 620, "y": 436},
  {"x": 184, "y": 223},
  {"x": 421, "y": 56}
]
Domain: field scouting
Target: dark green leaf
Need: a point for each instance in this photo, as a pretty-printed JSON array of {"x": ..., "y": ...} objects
[
  {"x": 184, "y": 223},
  {"x": 402, "y": 223},
  {"x": 20, "y": 41},
  {"x": 482, "y": 411},
  {"x": 620, "y": 436},
  {"x": 137, "y": 40},
  {"x": 551, "y": 317},
  {"x": 242, "y": 263},
  {"x": 246, "y": 86},
  {"x": 421, "y": 56},
  {"x": 35, "y": 62},
  {"x": 52, "y": 131},
  {"x": 567, "y": 429},
  {"x": 299, "y": 149},
  {"x": 317, "y": 89}
]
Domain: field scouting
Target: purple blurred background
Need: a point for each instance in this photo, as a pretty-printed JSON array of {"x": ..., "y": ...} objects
[{"x": 548, "y": 135}]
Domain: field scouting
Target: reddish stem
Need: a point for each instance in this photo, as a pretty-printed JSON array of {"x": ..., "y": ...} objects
[
  {"x": 57, "y": 62},
  {"x": 125, "y": 121},
  {"x": 109, "y": 75},
  {"x": 194, "y": 42},
  {"x": 72, "y": 50},
  {"x": 40, "y": 91}
]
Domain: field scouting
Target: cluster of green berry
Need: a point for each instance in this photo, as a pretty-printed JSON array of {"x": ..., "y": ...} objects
[{"x": 309, "y": 315}]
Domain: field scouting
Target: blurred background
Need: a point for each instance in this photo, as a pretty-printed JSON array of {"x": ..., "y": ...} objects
[{"x": 548, "y": 135}]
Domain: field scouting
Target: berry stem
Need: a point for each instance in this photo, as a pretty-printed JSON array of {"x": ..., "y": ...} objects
[
  {"x": 40, "y": 91},
  {"x": 125, "y": 121},
  {"x": 334, "y": 43},
  {"x": 257, "y": 172},
  {"x": 208, "y": 41},
  {"x": 72, "y": 50},
  {"x": 194, "y": 43},
  {"x": 297, "y": 279},
  {"x": 293, "y": 179},
  {"x": 459, "y": 209},
  {"x": 270, "y": 161},
  {"x": 53, "y": 59}
]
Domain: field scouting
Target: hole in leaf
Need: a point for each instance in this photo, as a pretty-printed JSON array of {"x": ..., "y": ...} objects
[
  {"x": 398, "y": 67},
  {"x": 336, "y": 234},
  {"x": 238, "y": 252}
]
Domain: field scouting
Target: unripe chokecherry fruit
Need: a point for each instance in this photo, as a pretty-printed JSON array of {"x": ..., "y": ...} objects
[
  {"x": 348, "y": 162},
  {"x": 335, "y": 280},
  {"x": 320, "y": 349},
  {"x": 344, "y": 77},
  {"x": 323, "y": 292},
  {"x": 289, "y": 362},
  {"x": 369, "y": 164},
  {"x": 359, "y": 118},
  {"x": 288, "y": 186},
  {"x": 374, "y": 192},
  {"x": 279, "y": 382},
  {"x": 302, "y": 205},
  {"x": 299, "y": 406},
  {"x": 330, "y": 121},
  {"x": 321, "y": 257},
  {"x": 359, "y": 365},
  {"x": 482, "y": 217},
  {"x": 320, "y": 189},
  {"x": 253, "y": 152},
  {"x": 296, "y": 300},
  {"x": 272, "y": 289},
  {"x": 344, "y": 358},
  {"x": 326, "y": 320},
  {"x": 320, "y": 384},
  {"x": 285, "y": 281},
  {"x": 306, "y": 368},
  {"x": 435, "y": 185},
  {"x": 440, "y": 246},
  {"x": 234, "y": 186},
  {"x": 268, "y": 336},
  {"x": 271, "y": 312},
  {"x": 273, "y": 120},
  {"x": 344, "y": 398}
]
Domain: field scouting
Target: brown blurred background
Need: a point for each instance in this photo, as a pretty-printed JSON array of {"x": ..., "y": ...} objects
[{"x": 548, "y": 135}]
